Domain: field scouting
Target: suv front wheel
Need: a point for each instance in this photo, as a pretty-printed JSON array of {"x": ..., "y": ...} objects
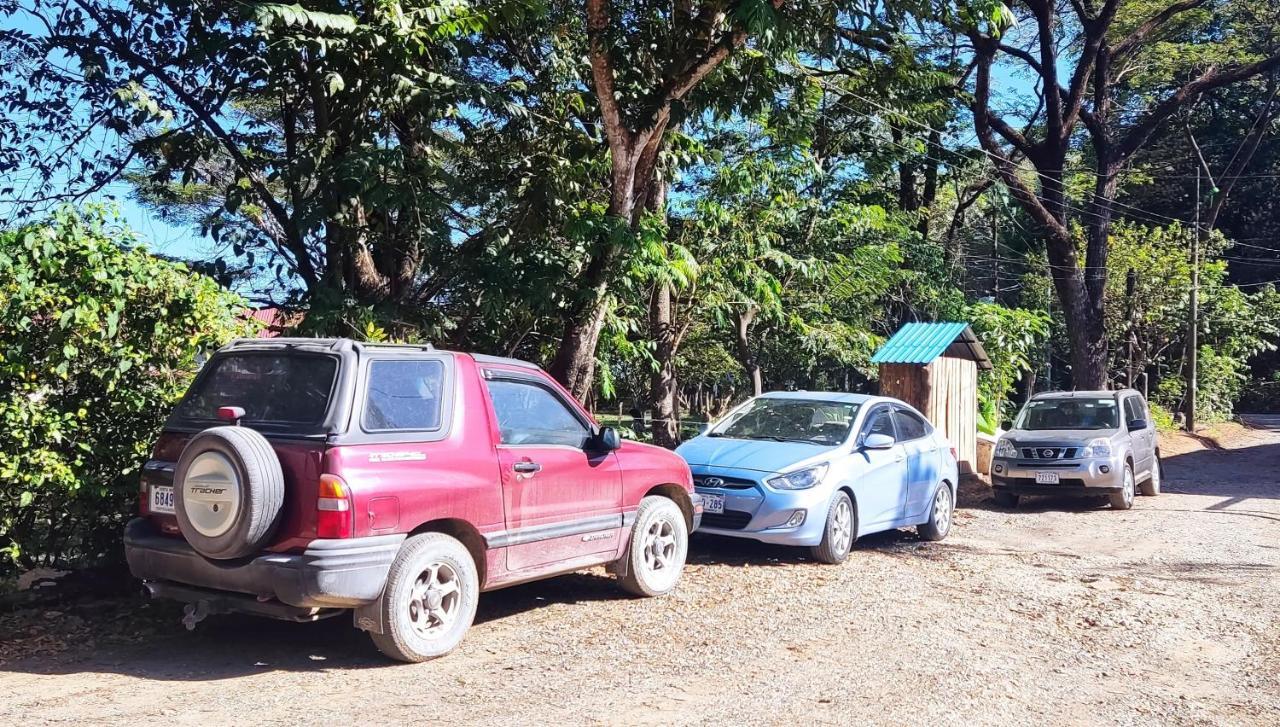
[
  {"x": 430, "y": 598},
  {"x": 659, "y": 545}
]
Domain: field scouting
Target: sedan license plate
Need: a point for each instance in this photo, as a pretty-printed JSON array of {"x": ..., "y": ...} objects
[
  {"x": 713, "y": 504},
  {"x": 162, "y": 499},
  {"x": 1046, "y": 478}
]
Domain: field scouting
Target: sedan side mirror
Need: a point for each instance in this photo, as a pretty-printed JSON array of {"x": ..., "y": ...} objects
[
  {"x": 1136, "y": 425},
  {"x": 877, "y": 441},
  {"x": 606, "y": 440}
]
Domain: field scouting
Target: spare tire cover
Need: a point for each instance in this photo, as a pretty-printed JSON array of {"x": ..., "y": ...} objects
[{"x": 228, "y": 492}]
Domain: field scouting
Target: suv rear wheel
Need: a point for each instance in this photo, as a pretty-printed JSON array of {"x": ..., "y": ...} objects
[
  {"x": 659, "y": 545},
  {"x": 430, "y": 598},
  {"x": 1152, "y": 486}
]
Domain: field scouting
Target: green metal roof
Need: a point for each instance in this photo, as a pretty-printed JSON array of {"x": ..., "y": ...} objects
[{"x": 920, "y": 343}]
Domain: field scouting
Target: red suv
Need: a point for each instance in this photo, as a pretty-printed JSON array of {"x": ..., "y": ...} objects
[{"x": 299, "y": 478}]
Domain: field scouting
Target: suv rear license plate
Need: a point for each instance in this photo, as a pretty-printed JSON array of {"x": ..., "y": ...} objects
[
  {"x": 1046, "y": 478},
  {"x": 713, "y": 504},
  {"x": 161, "y": 499}
]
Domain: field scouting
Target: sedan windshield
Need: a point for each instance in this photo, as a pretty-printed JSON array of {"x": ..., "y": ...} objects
[
  {"x": 1044, "y": 414},
  {"x": 789, "y": 420}
]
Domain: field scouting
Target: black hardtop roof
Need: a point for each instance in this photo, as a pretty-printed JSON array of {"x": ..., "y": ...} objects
[{"x": 344, "y": 345}]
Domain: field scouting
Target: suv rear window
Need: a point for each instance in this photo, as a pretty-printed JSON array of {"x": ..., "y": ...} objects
[
  {"x": 403, "y": 395},
  {"x": 285, "y": 389}
]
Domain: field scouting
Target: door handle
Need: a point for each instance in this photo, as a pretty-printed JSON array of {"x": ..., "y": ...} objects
[{"x": 526, "y": 468}]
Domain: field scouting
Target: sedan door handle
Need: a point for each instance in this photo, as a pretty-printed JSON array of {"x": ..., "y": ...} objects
[{"x": 526, "y": 468}]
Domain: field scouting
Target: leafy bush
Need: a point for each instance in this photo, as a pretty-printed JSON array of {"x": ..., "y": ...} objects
[{"x": 98, "y": 338}]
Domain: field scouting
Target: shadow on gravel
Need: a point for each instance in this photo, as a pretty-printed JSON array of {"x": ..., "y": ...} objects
[
  {"x": 1237, "y": 475},
  {"x": 721, "y": 550},
  {"x": 145, "y": 639}
]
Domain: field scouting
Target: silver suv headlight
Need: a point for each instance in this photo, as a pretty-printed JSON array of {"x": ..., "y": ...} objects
[
  {"x": 1099, "y": 448},
  {"x": 1005, "y": 449},
  {"x": 800, "y": 479}
]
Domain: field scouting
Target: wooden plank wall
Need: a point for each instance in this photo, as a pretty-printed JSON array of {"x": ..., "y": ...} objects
[{"x": 946, "y": 392}]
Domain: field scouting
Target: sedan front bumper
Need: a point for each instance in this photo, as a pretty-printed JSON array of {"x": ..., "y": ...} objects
[{"x": 757, "y": 512}]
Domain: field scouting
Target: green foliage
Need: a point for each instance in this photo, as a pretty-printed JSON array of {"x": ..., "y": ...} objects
[
  {"x": 1012, "y": 338},
  {"x": 98, "y": 338}
]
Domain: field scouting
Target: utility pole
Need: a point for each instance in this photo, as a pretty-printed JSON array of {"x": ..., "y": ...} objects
[
  {"x": 995, "y": 252},
  {"x": 1130, "y": 288},
  {"x": 1193, "y": 325}
]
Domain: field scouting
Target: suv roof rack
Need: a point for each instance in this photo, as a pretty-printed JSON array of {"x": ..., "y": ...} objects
[{"x": 334, "y": 344}]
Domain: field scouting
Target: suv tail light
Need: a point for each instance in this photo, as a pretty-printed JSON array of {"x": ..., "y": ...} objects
[{"x": 333, "y": 508}]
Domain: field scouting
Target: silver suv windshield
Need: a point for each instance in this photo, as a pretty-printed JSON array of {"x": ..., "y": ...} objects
[{"x": 1046, "y": 414}]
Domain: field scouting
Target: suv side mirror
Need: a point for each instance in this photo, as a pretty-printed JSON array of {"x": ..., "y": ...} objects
[
  {"x": 606, "y": 440},
  {"x": 1137, "y": 424},
  {"x": 877, "y": 441},
  {"x": 1007, "y": 424}
]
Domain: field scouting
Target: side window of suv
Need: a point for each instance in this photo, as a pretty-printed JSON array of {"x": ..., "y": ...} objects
[
  {"x": 403, "y": 395},
  {"x": 531, "y": 414},
  {"x": 879, "y": 421},
  {"x": 1133, "y": 409},
  {"x": 910, "y": 426}
]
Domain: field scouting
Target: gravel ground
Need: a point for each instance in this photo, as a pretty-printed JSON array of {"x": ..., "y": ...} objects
[{"x": 1060, "y": 612}]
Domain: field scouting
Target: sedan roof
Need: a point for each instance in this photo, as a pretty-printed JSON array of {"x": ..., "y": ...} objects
[{"x": 834, "y": 396}]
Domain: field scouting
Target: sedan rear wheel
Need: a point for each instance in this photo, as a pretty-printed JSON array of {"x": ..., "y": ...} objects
[
  {"x": 939, "y": 523},
  {"x": 837, "y": 538}
]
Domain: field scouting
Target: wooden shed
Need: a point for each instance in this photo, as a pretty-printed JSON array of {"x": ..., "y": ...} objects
[{"x": 934, "y": 367}]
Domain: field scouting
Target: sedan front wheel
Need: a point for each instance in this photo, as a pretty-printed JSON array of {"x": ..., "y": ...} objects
[{"x": 837, "y": 537}]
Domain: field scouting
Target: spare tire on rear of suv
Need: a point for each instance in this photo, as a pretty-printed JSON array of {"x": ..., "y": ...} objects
[{"x": 228, "y": 492}]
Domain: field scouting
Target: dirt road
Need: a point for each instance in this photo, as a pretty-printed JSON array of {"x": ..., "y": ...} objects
[{"x": 1060, "y": 612}]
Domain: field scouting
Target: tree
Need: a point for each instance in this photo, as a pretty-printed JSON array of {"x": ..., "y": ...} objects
[
  {"x": 98, "y": 338},
  {"x": 646, "y": 64},
  {"x": 1104, "y": 46},
  {"x": 311, "y": 141}
]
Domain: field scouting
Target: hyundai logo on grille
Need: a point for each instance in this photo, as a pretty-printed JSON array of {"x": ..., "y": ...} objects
[{"x": 712, "y": 482}]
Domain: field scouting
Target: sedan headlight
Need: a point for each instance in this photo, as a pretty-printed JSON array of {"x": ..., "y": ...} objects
[
  {"x": 1099, "y": 448},
  {"x": 1005, "y": 449},
  {"x": 800, "y": 479}
]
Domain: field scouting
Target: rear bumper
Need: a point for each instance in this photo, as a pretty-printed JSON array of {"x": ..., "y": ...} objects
[
  {"x": 328, "y": 574},
  {"x": 695, "y": 504}
]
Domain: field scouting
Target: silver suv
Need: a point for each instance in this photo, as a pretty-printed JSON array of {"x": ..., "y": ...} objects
[{"x": 1083, "y": 443}]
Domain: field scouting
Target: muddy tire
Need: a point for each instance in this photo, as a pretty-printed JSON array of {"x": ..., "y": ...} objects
[
  {"x": 1123, "y": 500},
  {"x": 1004, "y": 499},
  {"x": 658, "y": 548},
  {"x": 430, "y": 599},
  {"x": 228, "y": 492},
  {"x": 940, "y": 515},
  {"x": 1151, "y": 487},
  {"x": 840, "y": 531}
]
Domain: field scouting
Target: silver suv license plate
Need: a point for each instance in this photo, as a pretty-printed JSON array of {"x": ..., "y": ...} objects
[{"x": 1046, "y": 478}]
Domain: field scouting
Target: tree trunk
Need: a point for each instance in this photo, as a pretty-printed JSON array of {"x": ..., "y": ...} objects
[
  {"x": 662, "y": 329},
  {"x": 662, "y": 388},
  {"x": 746, "y": 356}
]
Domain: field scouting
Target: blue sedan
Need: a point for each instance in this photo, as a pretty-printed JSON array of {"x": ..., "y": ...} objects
[{"x": 820, "y": 469}]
